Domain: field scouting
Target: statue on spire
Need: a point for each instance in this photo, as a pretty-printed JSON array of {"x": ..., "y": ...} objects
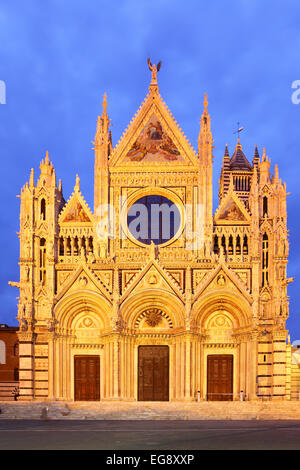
[{"x": 154, "y": 69}]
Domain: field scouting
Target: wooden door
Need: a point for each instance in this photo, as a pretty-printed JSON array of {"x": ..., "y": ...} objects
[
  {"x": 219, "y": 377},
  {"x": 87, "y": 378},
  {"x": 153, "y": 373}
]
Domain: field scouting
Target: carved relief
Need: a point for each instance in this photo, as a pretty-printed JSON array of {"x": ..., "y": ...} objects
[
  {"x": 87, "y": 322},
  {"x": 153, "y": 317},
  {"x": 221, "y": 280}
]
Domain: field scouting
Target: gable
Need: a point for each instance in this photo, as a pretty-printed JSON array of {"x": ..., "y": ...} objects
[
  {"x": 83, "y": 279},
  {"x": 222, "y": 278},
  {"x": 153, "y": 144},
  {"x": 232, "y": 209},
  {"x": 153, "y": 276},
  {"x": 153, "y": 136},
  {"x": 77, "y": 211},
  {"x": 231, "y": 212}
]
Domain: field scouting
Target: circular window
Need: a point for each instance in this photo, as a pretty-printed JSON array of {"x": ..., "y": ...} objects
[{"x": 153, "y": 218}]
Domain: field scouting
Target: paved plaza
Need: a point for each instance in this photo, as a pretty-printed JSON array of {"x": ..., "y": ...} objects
[{"x": 148, "y": 435}]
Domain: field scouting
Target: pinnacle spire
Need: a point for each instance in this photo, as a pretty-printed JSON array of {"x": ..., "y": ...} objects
[
  {"x": 205, "y": 139},
  {"x": 205, "y": 103},
  {"x": 103, "y": 123},
  {"x": 276, "y": 178},
  {"x": 47, "y": 161},
  {"x": 31, "y": 180},
  {"x": 226, "y": 153},
  {"x": 238, "y": 160},
  {"x": 255, "y": 160},
  {"x": 104, "y": 103}
]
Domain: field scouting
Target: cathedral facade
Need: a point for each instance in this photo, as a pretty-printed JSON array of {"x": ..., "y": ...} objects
[{"x": 152, "y": 296}]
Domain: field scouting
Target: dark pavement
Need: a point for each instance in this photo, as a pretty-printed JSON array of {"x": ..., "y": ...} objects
[{"x": 148, "y": 435}]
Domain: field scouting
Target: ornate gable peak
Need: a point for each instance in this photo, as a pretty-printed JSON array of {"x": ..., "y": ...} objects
[
  {"x": 153, "y": 104},
  {"x": 266, "y": 226},
  {"x": 90, "y": 275},
  {"x": 41, "y": 292},
  {"x": 267, "y": 189},
  {"x": 162, "y": 272},
  {"x": 221, "y": 270},
  {"x": 76, "y": 210},
  {"x": 240, "y": 210},
  {"x": 266, "y": 293}
]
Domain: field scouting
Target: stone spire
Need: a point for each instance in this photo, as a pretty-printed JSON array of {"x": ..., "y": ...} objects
[
  {"x": 205, "y": 146},
  {"x": 47, "y": 176},
  {"x": 205, "y": 140},
  {"x": 103, "y": 149},
  {"x": 31, "y": 180},
  {"x": 238, "y": 160},
  {"x": 255, "y": 160},
  {"x": 103, "y": 125}
]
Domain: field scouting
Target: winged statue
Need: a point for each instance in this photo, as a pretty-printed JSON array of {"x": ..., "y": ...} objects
[{"x": 154, "y": 69}]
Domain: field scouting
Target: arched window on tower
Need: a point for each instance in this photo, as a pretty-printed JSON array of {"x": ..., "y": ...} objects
[
  {"x": 230, "y": 245},
  {"x": 69, "y": 249},
  {"x": 43, "y": 209},
  {"x": 216, "y": 244},
  {"x": 265, "y": 206},
  {"x": 265, "y": 260},
  {"x": 43, "y": 261},
  {"x": 245, "y": 245},
  {"x": 223, "y": 244},
  {"x": 238, "y": 245},
  {"x": 61, "y": 246},
  {"x": 76, "y": 246}
]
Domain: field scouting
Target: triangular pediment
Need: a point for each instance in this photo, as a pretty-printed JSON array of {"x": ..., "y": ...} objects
[
  {"x": 153, "y": 276},
  {"x": 222, "y": 278},
  {"x": 153, "y": 137},
  {"x": 266, "y": 293},
  {"x": 83, "y": 279},
  {"x": 76, "y": 211},
  {"x": 232, "y": 210},
  {"x": 153, "y": 144}
]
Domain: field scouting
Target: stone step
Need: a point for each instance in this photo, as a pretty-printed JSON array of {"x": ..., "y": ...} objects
[{"x": 153, "y": 411}]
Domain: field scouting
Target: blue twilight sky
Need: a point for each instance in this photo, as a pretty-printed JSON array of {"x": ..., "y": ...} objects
[{"x": 57, "y": 58}]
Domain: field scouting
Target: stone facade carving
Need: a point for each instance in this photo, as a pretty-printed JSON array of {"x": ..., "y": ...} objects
[{"x": 84, "y": 291}]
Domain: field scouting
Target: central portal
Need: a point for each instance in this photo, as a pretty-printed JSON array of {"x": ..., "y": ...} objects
[
  {"x": 153, "y": 370},
  {"x": 220, "y": 377}
]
